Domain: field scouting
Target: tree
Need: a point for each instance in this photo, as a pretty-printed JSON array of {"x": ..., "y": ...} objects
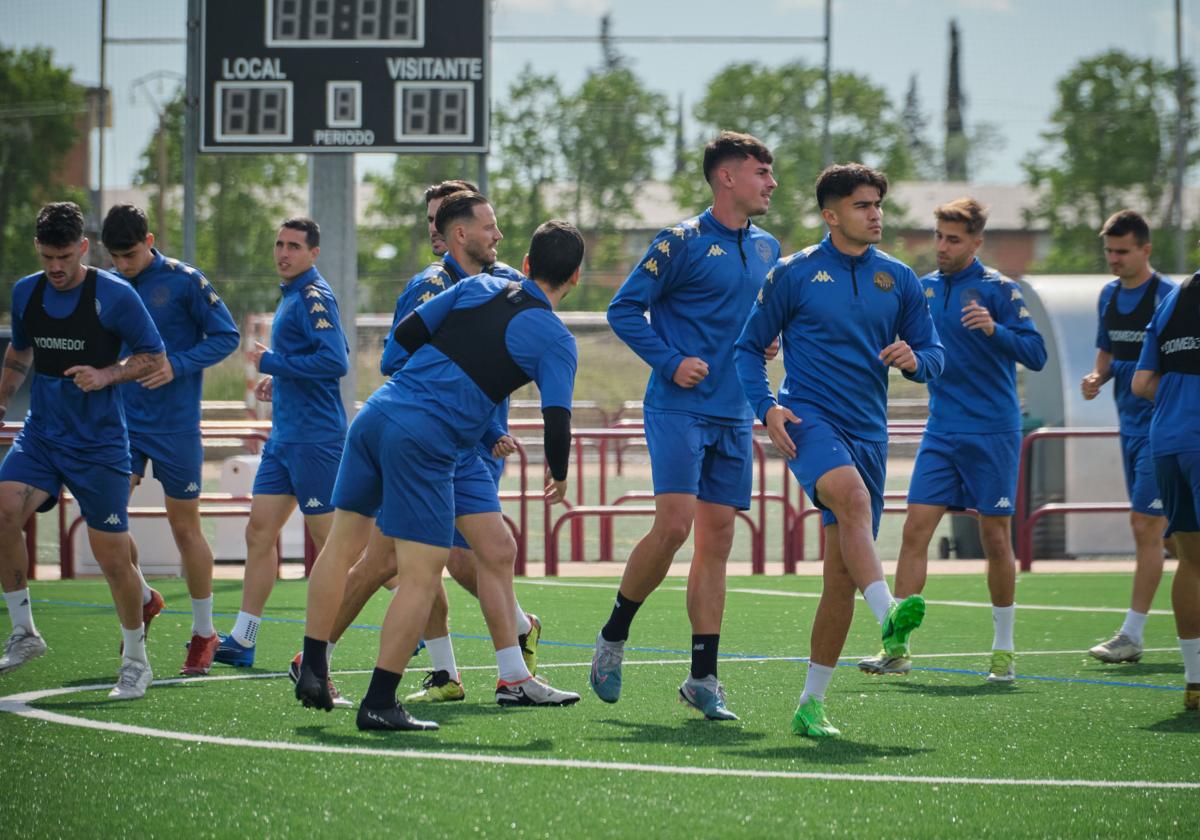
[
  {"x": 957, "y": 144},
  {"x": 241, "y": 199},
  {"x": 1108, "y": 147},
  {"x": 783, "y": 107},
  {"x": 915, "y": 122},
  {"x": 39, "y": 109}
]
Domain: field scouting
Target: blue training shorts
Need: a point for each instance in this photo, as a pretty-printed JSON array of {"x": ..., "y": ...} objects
[
  {"x": 391, "y": 473},
  {"x": 967, "y": 472},
  {"x": 1140, "y": 481},
  {"x": 820, "y": 448},
  {"x": 1179, "y": 482},
  {"x": 304, "y": 470},
  {"x": 102, "y": 491},
  {"x": 710, "y": 460},
  {"x": 476, "y": 488},
  {"x": 178, "y": 460}
]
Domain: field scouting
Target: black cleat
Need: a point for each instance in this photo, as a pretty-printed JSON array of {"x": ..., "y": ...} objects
[
  {"x": 313, "y": 691},
  {"x": 395, "y": 718}
]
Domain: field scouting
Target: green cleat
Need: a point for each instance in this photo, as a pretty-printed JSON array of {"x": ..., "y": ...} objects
[
  {"x": 902, "y": 618},
  {"x": 1003, "y": 668},
  {"x": 883, "y": 663},
  {"x": 529, "y": 643},
  {"x": 438, "y": 688},
  {"x": 811, "y": 722}
]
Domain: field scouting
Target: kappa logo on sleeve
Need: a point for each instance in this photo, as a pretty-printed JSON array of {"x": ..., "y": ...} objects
[
  {"x": 318, "y": 307},
  {"x": 310, "y": 292},
  {"x": 323, "y": 324},
  {"x": 436, "y": 280},
  {"x": 664, "y": 246},
  {"x": 651, "y": 265},
  {"x": 425, "y": 297}
]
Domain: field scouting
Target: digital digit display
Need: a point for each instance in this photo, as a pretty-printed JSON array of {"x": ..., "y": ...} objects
[
  {"x": 254, "y": 111},
  {"x": 432, "y": 110},
  {"x": 276, "y": 75},
  {"x": 345, "y": 23}
]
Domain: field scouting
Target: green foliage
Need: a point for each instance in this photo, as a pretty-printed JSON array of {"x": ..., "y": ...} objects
[
  {"x": 1109, "y": 146},
  {"x": 784, "y": 106},
  {"x": 39, "y": 107}
]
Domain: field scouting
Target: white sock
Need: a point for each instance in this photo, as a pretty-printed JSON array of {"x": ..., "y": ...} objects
[
  {"x": 1003, "y": 619},
  {"x": 135, "y": 643},
  {"x": 524, "y": 625},
  {"x": 145, "y": 586},
  {"x": 1190, "y": 648},
  {"x": 817, "y": 681},
  {"x": 20, "y": 610},
  {"x": 245, "y": 629},
  {"x": 441, "y": 655},
  {"x": 1135, "y": 625},
  {"x": 879, "y": 599},
  {"x": 202, "y": 623},
  {"x": 329, "y": 646},
  {"x": 510, "y": 664}
]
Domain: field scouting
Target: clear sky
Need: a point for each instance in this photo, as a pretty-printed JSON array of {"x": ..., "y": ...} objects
[{"x": 1013, "y": 51}]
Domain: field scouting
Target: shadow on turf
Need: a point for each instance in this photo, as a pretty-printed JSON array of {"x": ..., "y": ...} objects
[
  {"x": 691, "y": 732},
  {"x": 832, "y": 751},
  {"x": 1139, "y": 669},
  {"x": 980, "y": 689},
  {"x": 338, "y": 737},
  {"x": 1183, "y": 722}
]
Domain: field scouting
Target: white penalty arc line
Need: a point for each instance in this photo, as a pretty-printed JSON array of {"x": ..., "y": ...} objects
[
  {"x": 783, "y": 593},
  {"x": 18, "y": 704}
]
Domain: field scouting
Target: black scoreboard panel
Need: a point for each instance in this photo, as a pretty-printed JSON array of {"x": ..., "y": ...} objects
[{"x": 344, "y": 75}]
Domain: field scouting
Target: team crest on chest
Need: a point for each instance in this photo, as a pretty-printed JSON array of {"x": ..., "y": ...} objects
[
  {"x": 929, "y": 293},
  {"x": 160, "y": 297},
  {"x": 884, "y": 281},
  {"x": 763, "y": 249}
]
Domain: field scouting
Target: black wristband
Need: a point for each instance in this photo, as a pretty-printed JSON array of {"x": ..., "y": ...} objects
[{"x": 557, "y": 439}]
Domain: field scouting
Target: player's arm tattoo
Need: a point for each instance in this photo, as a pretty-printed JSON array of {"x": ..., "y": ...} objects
[
  {"x": 16, "y": 368},
  {"x": 136, "y": 366}
]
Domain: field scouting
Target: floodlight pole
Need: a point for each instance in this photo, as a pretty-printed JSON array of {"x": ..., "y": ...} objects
[
  {"x": 827, "y": 127},
  {"x": 1182, "y": 118},
  {"x": 331, "y": 203},
  {"x": 191, "y": 129},
  {"x": 98, "y": 209}
]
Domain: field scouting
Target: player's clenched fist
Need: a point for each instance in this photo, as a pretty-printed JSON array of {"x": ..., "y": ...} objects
[{"x": 690, "y": 371}]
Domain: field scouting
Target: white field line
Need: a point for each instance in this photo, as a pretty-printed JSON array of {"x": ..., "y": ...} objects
[
  {"x": 785, "y": 594},
  {"x": 18, "y": 704}
]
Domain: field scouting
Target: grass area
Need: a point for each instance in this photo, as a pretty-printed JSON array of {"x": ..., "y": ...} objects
[{"x": 656, "y": 769}]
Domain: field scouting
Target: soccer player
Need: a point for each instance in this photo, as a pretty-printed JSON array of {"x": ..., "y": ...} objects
[
  {"x": 1168, "y": 372},
  {"x": 698, "y": 281},
  {"x": 469, "y": 347},
  {"x": 69, "y": 323},
  {"x": 307, "y": 357},
  {"x": 467, "y": 249},
  {"x": 841, "y": 305},
  {"x": 162, "y": 408},
  {"x": 972, "y": 444},
  {"x": 1126, "y": 307}
]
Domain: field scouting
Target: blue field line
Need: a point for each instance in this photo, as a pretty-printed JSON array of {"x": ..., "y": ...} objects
[{"x": 659, "y": 651}]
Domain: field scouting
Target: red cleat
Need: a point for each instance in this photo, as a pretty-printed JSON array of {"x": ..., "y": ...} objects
[{"x": 200, "y": 655}]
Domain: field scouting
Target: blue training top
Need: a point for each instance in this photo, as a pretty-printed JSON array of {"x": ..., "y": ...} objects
[
  {"x": 90, "y": 425},
  {"x": 977, "y": 391},
  {"x": 837, "y": 312},
  {"x": 1175, "y": 426},
  {"x": 698, "y": 281},
  {"x": 198, "y": 331},
  {"x": 308, "y": 356},
  {"x": 451, "y": 407},
  {"x": 1133, "y": 412}
]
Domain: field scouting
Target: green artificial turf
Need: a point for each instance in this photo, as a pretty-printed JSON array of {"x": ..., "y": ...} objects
[{"x": 1067, "y": 717}]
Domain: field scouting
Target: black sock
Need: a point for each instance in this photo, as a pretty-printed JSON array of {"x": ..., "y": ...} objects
[
  {"x": 617, "y": 629},
  {"x": 704, "y": 655},
  {"x": 381, "y": 694},
  {"x": 316, "y": 656}
]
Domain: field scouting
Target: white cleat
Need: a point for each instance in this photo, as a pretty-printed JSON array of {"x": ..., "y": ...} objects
[
  {"x": 1120, "y": 648},
  {"x": 21, "y": 647},
  {"x": 133, "y": 678},
  {"x": 532, "y": 691}
]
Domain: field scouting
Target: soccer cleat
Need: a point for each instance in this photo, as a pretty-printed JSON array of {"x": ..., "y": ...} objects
[
  {"x": 902, "y": 618},
  {"x": 810, "y": 720},
  {"x": 529, "y": 642},
  {"x": 438, "y": 688},
  {"x": 605, "y": 677},
  {"x": 882, "y": 663},
  {"x": 1003, "y": 668},
  {"x": 532, "y": 691},
  {"x": 133, "y": 678},
  {"x": 21, "y": 647},
  {"x": 200, "y": 652},
  {"x": 339, "y": 701},
  {"x": 149, "y": 609},
  {"x": 1191, "y": 697},
  {"x": 312, "y": 691},
  {"x": 1120, "y": 648},
  {"x": 232, "y": 652},
  {"x": 395, "y": 718},
  {"x": 706, "y": 696}
]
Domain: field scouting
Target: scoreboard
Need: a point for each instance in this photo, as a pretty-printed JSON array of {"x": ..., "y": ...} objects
[{"x": 344, "y": 76}]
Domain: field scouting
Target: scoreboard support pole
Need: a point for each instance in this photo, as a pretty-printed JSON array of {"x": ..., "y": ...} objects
[{"x": 331, "y": 204}]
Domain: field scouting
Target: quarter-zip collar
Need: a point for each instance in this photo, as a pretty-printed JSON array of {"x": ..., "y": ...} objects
[{"x": 298, "y": 282}]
